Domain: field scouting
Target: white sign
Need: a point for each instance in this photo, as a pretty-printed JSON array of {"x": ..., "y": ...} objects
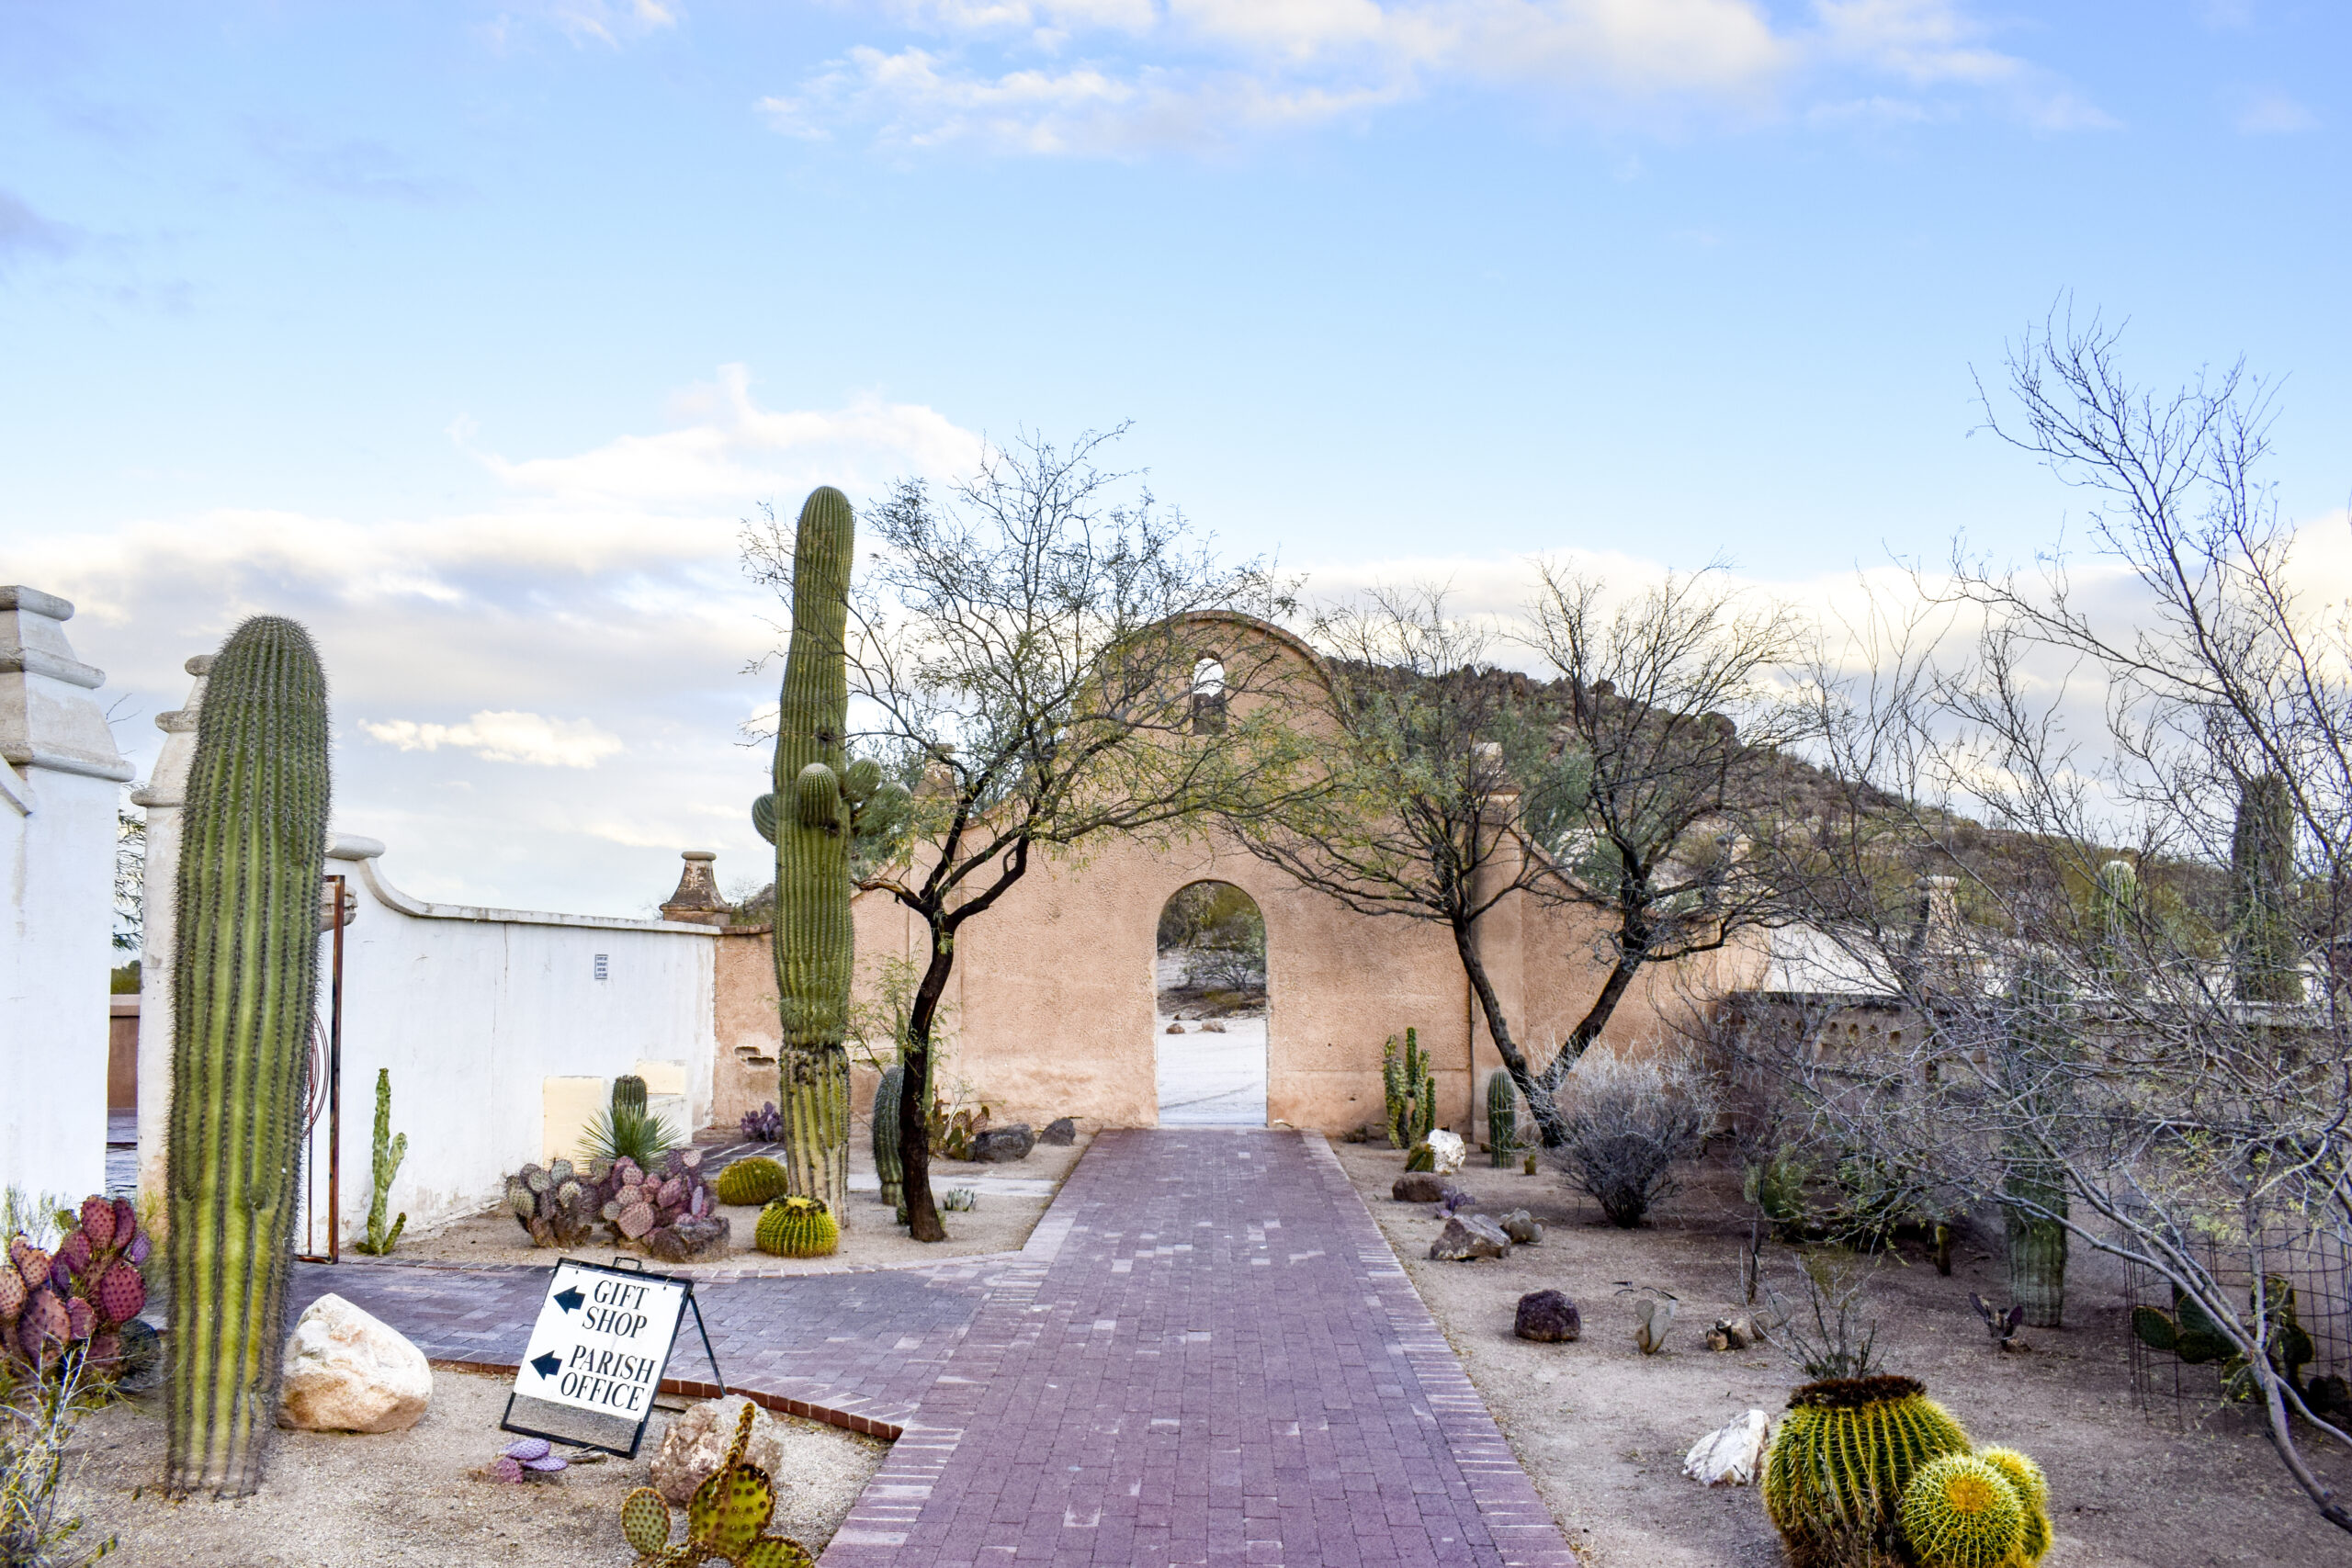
[{"x": 602, "y": 1337}]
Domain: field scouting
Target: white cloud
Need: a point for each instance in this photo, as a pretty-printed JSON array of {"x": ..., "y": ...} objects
[
  {"x": 506, "y": 737},
  {"x": 1118, "y": 77},
  {"x": 2274, "y": 113}
]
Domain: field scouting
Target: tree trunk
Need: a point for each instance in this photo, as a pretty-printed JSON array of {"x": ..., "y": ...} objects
[
  {"x": 1596, "y": 1019},
  {"x": 1538, "y": 1102},
  {"x": 914, "y": 1131}
]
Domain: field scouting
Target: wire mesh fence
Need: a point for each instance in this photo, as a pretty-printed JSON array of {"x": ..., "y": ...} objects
[{"x": 2185, "y": 1384}]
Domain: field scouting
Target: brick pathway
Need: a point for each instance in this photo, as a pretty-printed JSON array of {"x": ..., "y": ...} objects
[
  {"x": 1206, "y": 1354},
  {"x": 1222, "y": 1363}
]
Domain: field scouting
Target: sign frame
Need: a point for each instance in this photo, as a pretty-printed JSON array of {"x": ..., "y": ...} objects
[{"x": 631, "y": 1268}]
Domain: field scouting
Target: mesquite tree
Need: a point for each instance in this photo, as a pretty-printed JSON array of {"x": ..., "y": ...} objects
[
  {"x": 2111, "y": 1049},
  {"x": 1024, "y": 652},
  {"x": 244, "y": 981}
]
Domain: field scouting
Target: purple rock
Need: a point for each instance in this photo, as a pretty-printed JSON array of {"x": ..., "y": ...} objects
[{"x": 1548, "y": 1317}]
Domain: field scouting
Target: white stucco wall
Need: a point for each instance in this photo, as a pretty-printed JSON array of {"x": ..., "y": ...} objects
[
  {"x": 472, "y": 1009},
  {"x": 58, "y": 778}
]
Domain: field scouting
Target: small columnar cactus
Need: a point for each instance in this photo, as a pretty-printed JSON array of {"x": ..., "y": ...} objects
[
  {"x": 728, "y": 1518},
  {"x": 1410, "y": 1088},
  {"x": 389, "y": 1153},
  {"x": 628, "y": 1093},
  {"x": 1960, "y": 1512},
  {"x": 797, "y": 1227},
  {"x": 1502, "y": 1118},
  {"x": 887, "y": 1166},
  {"x": 755, "y": 1180}
]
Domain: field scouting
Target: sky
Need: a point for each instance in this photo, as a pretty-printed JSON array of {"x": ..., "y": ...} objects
[{"x": 469, "y": 334}]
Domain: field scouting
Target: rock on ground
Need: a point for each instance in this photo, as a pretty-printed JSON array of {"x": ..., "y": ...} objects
[
  {"x": 1447, "y": 1150},
  {"x": 697, "y": 1442},
  {"x": 1419, "y": 1186},
  {"x": 1061, "y": 1132},
  {"x": 692, "y": 1240},
  {"x": 1548, "y": 1317},
  {"x": 1469, "y": 1237},
  {"x": 1521, "y": 1226},
  {"x": 1002, "y": 1145},
  {"x": 348, "y": 1371},
  {"x": 1730, "y": 1453}
]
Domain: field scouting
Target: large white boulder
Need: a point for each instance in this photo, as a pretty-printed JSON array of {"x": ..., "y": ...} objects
[
  {"x": 1731, "y": 1453},
  {"x": 347, "y": 1372},
  {"x": 1447, "y": 1151},
  {"x": 698, "y": 1440}
]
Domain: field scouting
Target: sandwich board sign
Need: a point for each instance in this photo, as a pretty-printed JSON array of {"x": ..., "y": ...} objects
[{"x": 596, "y": 1354}]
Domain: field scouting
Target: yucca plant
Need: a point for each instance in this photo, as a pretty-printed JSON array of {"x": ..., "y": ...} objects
[{"x": 625, "y": 1132}]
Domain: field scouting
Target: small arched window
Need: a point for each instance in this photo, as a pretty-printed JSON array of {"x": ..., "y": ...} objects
[{"x": 1208, "y": 695}]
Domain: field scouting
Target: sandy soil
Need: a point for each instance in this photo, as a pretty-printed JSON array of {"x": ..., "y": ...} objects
[
  {"x": 870, "y": 1238},
  {"x": 1602, "y": 1428},
  {"x": 412, "y": 1497}
]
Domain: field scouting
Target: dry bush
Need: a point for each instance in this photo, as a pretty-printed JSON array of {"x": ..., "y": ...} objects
[{"x": 1626, "y": 1121}]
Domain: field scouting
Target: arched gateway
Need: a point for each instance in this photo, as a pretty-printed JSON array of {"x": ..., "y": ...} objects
[{"x": 1210, "y": 1019}]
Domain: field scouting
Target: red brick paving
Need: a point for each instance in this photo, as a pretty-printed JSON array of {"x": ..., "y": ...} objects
[{"x": 1206, "y": 1354}]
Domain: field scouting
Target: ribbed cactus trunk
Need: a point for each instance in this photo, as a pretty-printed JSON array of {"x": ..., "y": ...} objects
[
  {"x": 2266, "y": 951},
  {"x": 2038, "y": 1052},
  {"x": 243, "y": 984},
  {"x": 2036, "y": 1246},
  {"x": 814, "y": 948},
  {"x": 887, "y": 1167},
  {"x": 1502, "y": 1118}
]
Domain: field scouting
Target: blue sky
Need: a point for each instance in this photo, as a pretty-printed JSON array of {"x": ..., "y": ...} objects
[{"x": 466, "y": 333}]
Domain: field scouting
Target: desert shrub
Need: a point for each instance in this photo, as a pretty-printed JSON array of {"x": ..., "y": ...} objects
[
  {"x": 35, "y": 1426},
  {"x": 626, "y": 1132},
  {"x": 1627, "y": 1121},
  {"x": 1226, "y": 969},
  {"x": 1825, "y": 1327}
]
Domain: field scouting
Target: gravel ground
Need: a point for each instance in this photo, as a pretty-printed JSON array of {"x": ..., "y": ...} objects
[
  {"x": 1602, "y": 1429},
  {"x": 413, "y": 1496},
  {"x": 1000, "y": 1223}
]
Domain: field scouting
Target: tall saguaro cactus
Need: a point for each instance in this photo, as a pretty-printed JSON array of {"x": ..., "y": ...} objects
[
  {"x": 809, "y": 818},
  {"x": 243, "y": 984},
  {"x": 2037, "y": 1052}
]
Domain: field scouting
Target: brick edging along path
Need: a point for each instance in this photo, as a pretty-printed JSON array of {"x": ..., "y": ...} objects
[{"x": 1206, "y": 1353}]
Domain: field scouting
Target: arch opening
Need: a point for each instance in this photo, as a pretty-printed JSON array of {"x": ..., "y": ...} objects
[{"x": 1212, "y": 1007}]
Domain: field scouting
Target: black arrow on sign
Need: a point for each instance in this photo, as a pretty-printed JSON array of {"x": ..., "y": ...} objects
[
  {"x": 546, "y": 1366},
  {"x": 569, "y": 1300}
]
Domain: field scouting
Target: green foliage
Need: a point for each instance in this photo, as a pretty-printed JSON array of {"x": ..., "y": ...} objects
[
  {"x": 630, "y": 1089},
  {"x": 1843, "y": 1456},
  {"x": 388, "y": 1151},
  {"x": 1777, "y": 1186},
  {"x": 618, "y": 1132},
  {"x": 1411, "y": 1088},
  {"x": 123, "y": 980},
  {"x": 755, "y": 1179},
  {"x": 1960, "y": 1512},
  {"x": 725, "y": 1520},
  {"x": 243, "y": 987},
  {"x": 2266, "y": 950},
  {"x": 1502, "y": 1118},
  {"x": 1420, "y": 1156},
  {"x": 797, "y": 1227}
]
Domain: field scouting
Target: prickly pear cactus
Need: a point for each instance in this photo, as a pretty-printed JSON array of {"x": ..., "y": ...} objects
[{"x": 725, "y": 1520}]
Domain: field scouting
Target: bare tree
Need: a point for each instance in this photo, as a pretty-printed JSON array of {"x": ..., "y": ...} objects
[
  {"x": 2084, "y": 1056},
  {"x": 1429, "y": 754},
  {"x": 1026, "y": 653},
  {"x": 1674, "y": 710}
]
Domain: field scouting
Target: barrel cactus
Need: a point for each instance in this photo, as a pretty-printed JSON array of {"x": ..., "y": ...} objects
[
  {"x": 1960, "y": 1512},
  {"x": 2032, "y": 1489},
  {"x": 244, "y": 987},
  {"x": 753, "y": 1179},
  {"x": 1843, "y": 1456},
  {"x": 797, "y": 1227}
]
